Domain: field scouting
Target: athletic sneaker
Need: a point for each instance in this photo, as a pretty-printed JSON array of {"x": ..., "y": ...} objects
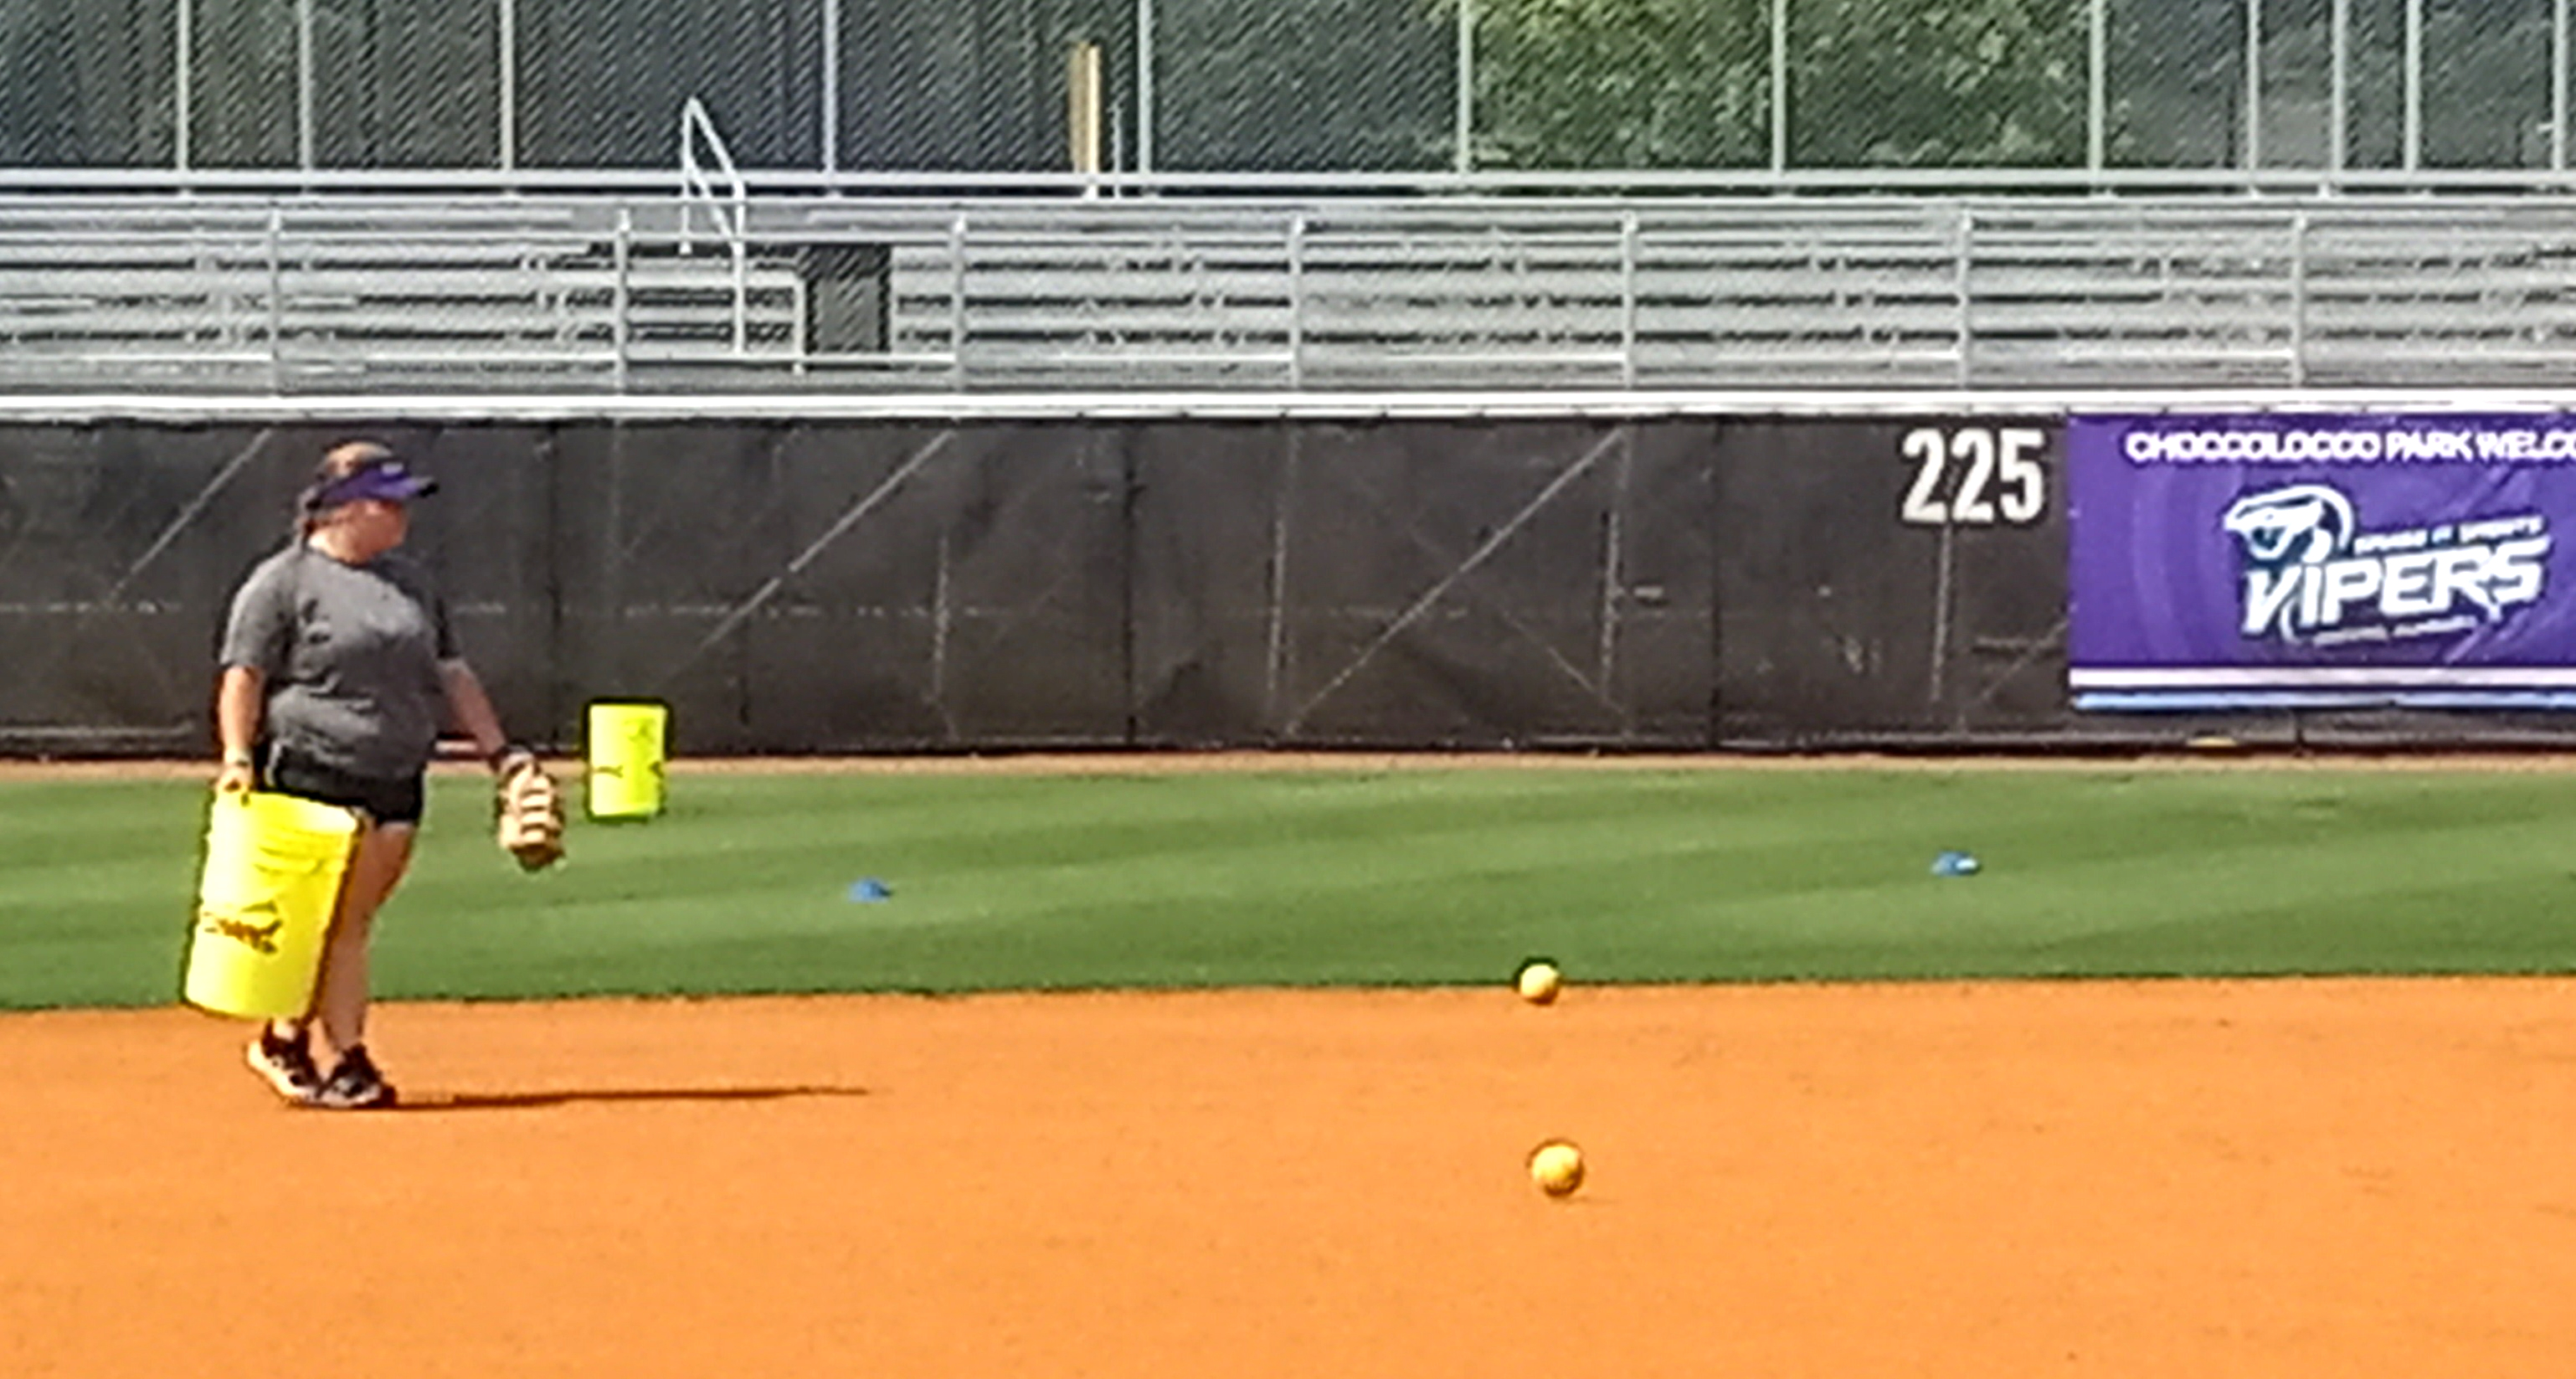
[
  {"x": 355, "y": 1085},
  {"x": 287, "y": 1064}
]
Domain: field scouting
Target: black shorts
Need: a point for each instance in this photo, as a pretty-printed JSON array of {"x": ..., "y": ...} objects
[{"x": 289, "y": 772}]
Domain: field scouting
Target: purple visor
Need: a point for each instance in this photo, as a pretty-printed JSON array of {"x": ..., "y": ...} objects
[{"x": 389, "y": 480}]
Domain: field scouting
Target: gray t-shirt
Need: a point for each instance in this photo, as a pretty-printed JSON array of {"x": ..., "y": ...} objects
[{"x": 350, "y": 658}]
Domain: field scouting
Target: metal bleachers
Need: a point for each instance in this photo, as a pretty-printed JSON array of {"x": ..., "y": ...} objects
[
  {"x": 304, "y": 296},
  {"x": 610, "y": 291},
  {"x": 1929, "y": 293}
]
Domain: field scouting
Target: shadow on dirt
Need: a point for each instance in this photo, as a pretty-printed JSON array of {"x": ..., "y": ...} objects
[{"x": 530, "y": 1101}]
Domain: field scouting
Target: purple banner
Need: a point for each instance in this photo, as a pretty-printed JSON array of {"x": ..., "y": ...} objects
[{"x": 2326, "y": 560}]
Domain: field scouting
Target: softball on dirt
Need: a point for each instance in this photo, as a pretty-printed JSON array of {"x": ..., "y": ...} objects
[
  {"x": 1557, "y": 1168},
  {"x": 1539, "y": 983}
]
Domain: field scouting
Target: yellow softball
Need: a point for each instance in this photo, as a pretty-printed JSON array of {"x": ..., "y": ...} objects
[
  {"x": 1539, "y": 983},
  {"x": 1557, "y": 1168}
]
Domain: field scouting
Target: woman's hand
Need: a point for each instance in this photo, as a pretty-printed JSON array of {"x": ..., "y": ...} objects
[{"x": 234, "y": 777}]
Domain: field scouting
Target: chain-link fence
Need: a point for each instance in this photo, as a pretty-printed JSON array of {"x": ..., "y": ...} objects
[{"x": 1291, "y": 85}]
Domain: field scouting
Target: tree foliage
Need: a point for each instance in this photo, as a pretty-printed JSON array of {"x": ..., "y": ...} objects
[{"x": 1687, "y": 83}]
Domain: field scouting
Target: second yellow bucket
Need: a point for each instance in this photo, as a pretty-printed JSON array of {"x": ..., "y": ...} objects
[
  {"x": 264, "y": 902},
  {"x": 629, "y": 744}
]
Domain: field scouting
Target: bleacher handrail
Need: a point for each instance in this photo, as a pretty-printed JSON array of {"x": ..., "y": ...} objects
[
  {"x": 732, "y": 193},
  {"x": 696, "y": 186}
]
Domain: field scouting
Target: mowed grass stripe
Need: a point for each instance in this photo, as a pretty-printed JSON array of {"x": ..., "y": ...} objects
[
  {"x": 1410, "y": 875},
  {"x": 1234, "y": 851}
]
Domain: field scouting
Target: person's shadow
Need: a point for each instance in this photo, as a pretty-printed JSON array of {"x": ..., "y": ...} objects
[{"x": 530, "y": 1101}]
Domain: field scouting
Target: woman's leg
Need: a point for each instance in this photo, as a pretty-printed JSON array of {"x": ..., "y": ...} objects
[{"x": 375, "y": 868}]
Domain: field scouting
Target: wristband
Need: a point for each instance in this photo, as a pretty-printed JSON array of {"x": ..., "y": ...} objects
[{"x": 232, "y": 758}]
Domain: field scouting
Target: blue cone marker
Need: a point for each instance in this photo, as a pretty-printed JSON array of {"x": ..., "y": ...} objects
[
  {"x": 870, "y": 889},
  {"x": 1954, "y": 864}
]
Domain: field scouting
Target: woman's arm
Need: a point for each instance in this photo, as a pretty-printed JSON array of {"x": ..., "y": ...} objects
[
  {"x": 472, "y": 710},
  {"x": 238, "y": 701}
]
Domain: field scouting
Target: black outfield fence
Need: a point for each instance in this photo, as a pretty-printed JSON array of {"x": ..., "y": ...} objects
[{"x": 1658, "y": 584}]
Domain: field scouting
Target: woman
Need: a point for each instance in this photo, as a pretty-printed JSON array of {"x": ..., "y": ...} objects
[{"x": 338, "y": 671}]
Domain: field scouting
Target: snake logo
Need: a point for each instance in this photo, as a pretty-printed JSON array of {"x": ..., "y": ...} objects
[
  {"x": 2304, "y": 524},
  {"x": 259, "y": 938}
]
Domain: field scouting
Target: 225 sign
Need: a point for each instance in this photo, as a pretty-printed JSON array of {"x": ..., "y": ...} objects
[{"x": 1975, "y": 476}]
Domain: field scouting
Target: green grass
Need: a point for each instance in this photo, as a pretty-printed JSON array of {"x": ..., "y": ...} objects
[{"x": 1414, "y": 876}]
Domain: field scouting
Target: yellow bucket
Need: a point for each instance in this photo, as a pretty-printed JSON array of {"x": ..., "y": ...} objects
[
  {"x": 272, "y": 878},
  {"x": 629, "y": 743}
]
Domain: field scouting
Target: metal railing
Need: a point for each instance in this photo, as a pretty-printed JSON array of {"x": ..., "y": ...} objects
[
  {"x": 294, "y": 295},
  {"x": 726, "y": 203}
]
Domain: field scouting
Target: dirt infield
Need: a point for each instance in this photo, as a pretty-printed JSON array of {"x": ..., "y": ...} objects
[{"x": 2287, "y": 1178}]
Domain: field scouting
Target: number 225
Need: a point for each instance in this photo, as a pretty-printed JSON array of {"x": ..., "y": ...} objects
[{"x": 2003, "y": 476}]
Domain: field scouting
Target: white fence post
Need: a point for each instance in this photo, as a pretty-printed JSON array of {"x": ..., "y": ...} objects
[
  {"x": 1628, "y": 299},
  {"x": 183, "y": 44},
  {"x": 276, "y": 298},
  {"x": 1297, "y": 302},
  {"x": 505, "y": 64},
  {"x": 618, "y": 294}
]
